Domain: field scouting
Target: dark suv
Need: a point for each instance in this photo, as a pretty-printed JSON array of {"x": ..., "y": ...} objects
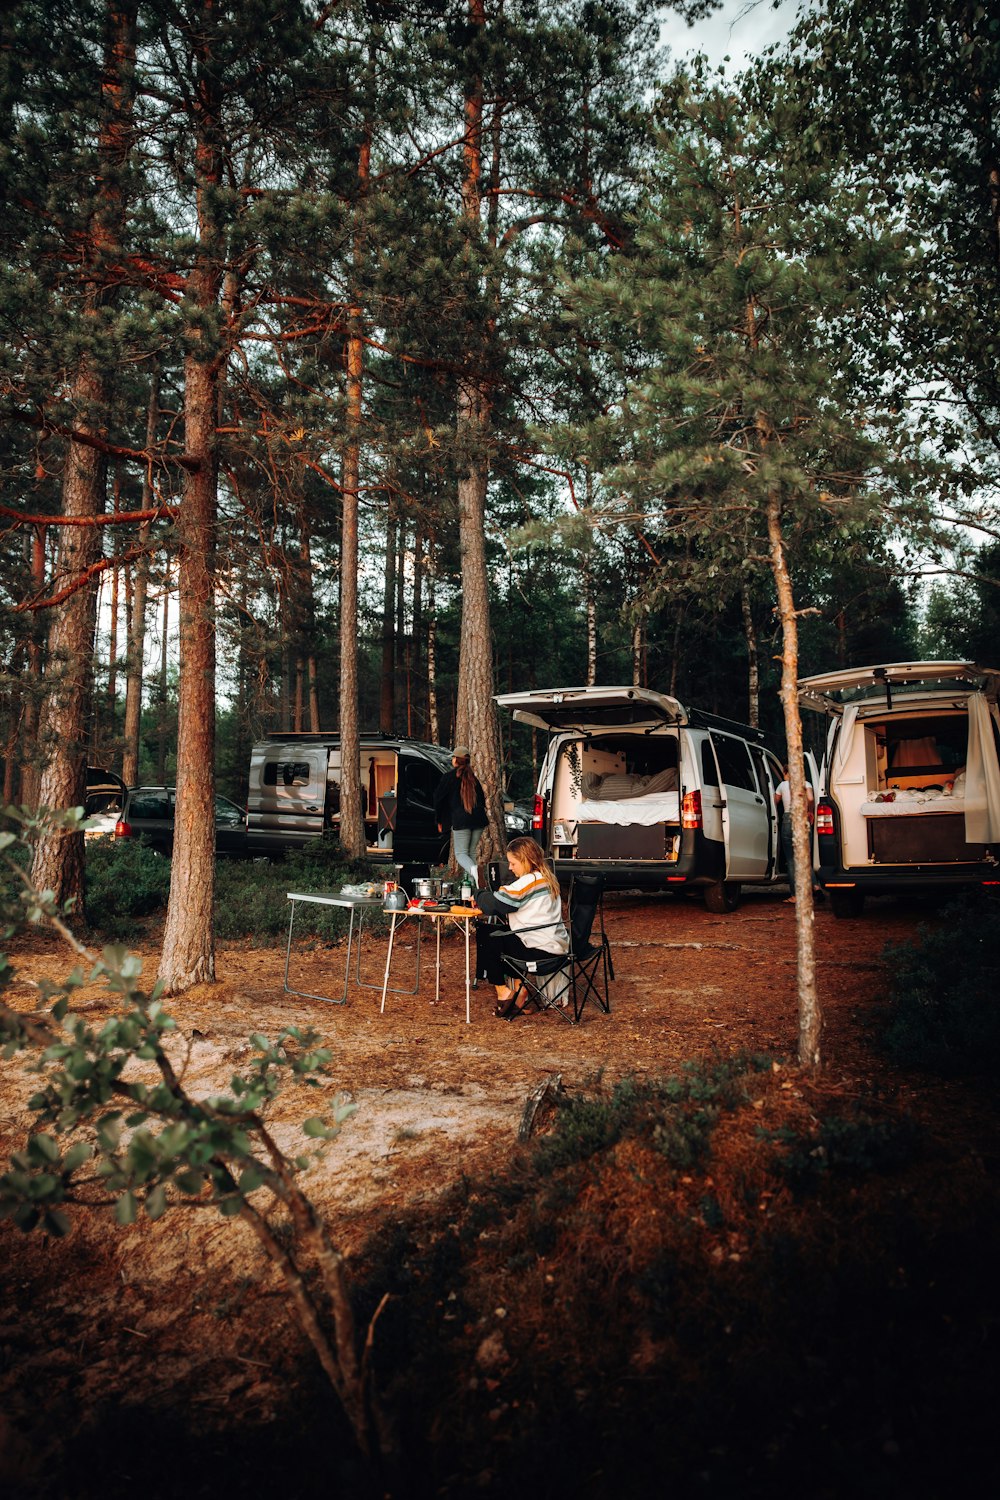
[{"x": 148, "y": 814}]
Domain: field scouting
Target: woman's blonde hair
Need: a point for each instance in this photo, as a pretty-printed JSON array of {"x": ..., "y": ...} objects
[{"x": 534, "y": 857}]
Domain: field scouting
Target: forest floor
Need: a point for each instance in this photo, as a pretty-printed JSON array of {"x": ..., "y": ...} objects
[{"x": 849, "y": 1332}]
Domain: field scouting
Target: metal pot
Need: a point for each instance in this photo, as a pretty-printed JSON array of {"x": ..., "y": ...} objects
[
  {"x": 395, "y": 900},
  {"x": 424, "y": 889}
]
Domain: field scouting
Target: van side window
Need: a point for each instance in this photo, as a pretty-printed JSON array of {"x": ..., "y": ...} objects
[
  {"x": 709, "y": 770},
  {"x": 286, "y": 773},
  {"x": 760, "y": 766},
  {"x": 734, "y": 762}
]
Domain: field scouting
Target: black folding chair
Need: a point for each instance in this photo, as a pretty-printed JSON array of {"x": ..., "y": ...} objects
[{"x": 564, "y": 982}]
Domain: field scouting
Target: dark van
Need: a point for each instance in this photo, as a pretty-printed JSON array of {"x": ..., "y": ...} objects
[{"x": 294, "y": 795}]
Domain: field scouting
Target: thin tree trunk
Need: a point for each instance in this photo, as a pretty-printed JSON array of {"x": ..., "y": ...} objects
[
  {"x": 432, "y": 700},
  {"x": 588, "y": 590},
  {"x": 810, "y": 1015},
  {"x": 114, "y": 607},
  {"x": 30, "y": 763},
  {"x": 387, "y": 679},
  {"x": 161, "y": 728},
  {"x": 352, "y": 828},
  {"x": 753, "y": 664},
  {"x": 137, "y": 616},
  {"x": 416, "y": 633}
]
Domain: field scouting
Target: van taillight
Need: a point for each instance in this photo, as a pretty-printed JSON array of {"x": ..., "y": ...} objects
[
  {"x": 824, "y": 818},
  {"x": 123, "y": 830},
  {"x": 691, "y": 810},
  {"x": 538, "y": 813}
]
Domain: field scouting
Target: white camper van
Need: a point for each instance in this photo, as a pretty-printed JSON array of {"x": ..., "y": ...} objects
[
  {"x": 910, "y": 784},
  {"x": 644, "y": 792},
  {"x": 294, "y": 795}
]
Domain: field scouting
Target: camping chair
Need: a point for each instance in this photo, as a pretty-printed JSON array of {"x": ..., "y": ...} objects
[{"x": 564, "y": 982}]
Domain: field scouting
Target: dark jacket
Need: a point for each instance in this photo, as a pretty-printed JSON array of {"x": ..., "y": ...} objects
[{"x": 449, "y": 808}]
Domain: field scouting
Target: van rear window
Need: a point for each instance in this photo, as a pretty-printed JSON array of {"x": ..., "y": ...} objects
[{"x": 286, "y": 773}]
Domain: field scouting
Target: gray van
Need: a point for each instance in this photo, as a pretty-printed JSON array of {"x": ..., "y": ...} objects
[
  {"x": 294, "y": 795},
  {"x": 644, "y": 792}
]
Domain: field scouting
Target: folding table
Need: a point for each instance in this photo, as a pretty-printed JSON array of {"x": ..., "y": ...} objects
[
  {"x": 421, "y": 914},
  {"x": 355, "y": 905}
]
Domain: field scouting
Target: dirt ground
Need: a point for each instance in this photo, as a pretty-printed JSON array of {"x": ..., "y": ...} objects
[{"x": 152, "y": 1312}]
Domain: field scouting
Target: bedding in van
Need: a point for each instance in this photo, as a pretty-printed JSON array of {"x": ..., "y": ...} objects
[
  {"x": 612, "y": 786},
  {"x": 910, "y": 800},
  {"x": 655, "y": 807}
]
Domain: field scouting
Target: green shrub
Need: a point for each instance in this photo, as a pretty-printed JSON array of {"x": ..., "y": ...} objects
[
  {"x": 677, "y": 1114},
  {"x": 251, "y": 896},
  {"x": 943, "y": 1010},
  {"x": 124, "y": 881},
  {"x": 855, "y": 1144}
]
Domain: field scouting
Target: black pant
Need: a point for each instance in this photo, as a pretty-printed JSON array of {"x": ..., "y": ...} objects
[{"x": 492, "y": 943}]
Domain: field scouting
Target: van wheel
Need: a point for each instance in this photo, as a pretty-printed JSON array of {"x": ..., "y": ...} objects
[
  {"x": 846, "y": 903},
  {"x": 723, "y": 896}
]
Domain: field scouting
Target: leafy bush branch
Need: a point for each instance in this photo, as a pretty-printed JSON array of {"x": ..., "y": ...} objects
[{"x": 117, "y": 1128}]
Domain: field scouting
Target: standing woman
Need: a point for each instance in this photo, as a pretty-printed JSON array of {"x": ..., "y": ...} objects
[
  {"x": 783, "y": 802},
  {"x": 459, "y": 801},
  {"x": 532, "y": 906}
]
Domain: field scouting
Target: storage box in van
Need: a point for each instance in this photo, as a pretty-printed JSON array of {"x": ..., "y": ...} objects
[
  {"x": 294, "y": 795},
  {"x": 910, "y": 783},
  {"x": 646, "y": 793}
]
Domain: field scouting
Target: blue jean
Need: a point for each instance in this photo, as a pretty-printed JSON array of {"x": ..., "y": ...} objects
[{"x": 466, "y": 842}]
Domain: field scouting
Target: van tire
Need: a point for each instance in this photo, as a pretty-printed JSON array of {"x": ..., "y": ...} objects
[
  {"x": 846, "y": 903},
  {"x": 723, "y": 896}
]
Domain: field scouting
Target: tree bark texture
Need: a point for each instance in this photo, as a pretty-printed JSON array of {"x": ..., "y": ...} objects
[
  {"x": 58, "y": 860},
  {"x": 810, "y": 1015},
  {"x": 188, "y": 954},
  {"x": 352, "y": 828},
  {"x": 476, "y": 717}
]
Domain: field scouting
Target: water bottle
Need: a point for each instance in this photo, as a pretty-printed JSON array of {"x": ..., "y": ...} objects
[{"x": 466, "y": 892}]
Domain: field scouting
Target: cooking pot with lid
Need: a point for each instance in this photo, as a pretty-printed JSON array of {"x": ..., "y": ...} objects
[{"x": 424, "y": 888}]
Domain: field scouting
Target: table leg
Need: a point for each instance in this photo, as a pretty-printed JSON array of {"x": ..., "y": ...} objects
[
  {"x": 308, "y": 994},
  {"x": 468, "y": 1017},
  {"x": 388, "y": 961},
  {"x": 437, "y": 961}
]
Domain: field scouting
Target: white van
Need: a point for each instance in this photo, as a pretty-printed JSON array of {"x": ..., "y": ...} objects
[
  {"x": 646, "y": 793},
  {"x": 910, "y": 783},
  {"x": 294, "y": 795}
]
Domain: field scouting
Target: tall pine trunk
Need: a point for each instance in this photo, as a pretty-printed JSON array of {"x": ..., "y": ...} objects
[
  {"x": 476, "y": 718},
  {"x": 188, "y": 954},
  {"x": 58, "y": 860}
]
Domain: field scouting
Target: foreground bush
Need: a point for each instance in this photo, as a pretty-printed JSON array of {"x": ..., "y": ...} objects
[{"x": 943, "y": 1011}]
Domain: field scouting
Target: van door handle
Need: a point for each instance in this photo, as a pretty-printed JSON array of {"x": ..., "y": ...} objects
[{"x": 311, "y": 807}]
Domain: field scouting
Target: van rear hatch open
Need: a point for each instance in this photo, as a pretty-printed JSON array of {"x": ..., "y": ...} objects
[
  {"x": 586, "y": 709},
  {"x": 832, "y": 692}
]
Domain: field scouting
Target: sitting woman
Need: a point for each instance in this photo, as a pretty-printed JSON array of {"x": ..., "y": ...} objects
[{"x": 532, "y": 906}]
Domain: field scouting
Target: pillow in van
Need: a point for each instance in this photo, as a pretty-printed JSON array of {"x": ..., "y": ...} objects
[{"x": 615, "y": 784}]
